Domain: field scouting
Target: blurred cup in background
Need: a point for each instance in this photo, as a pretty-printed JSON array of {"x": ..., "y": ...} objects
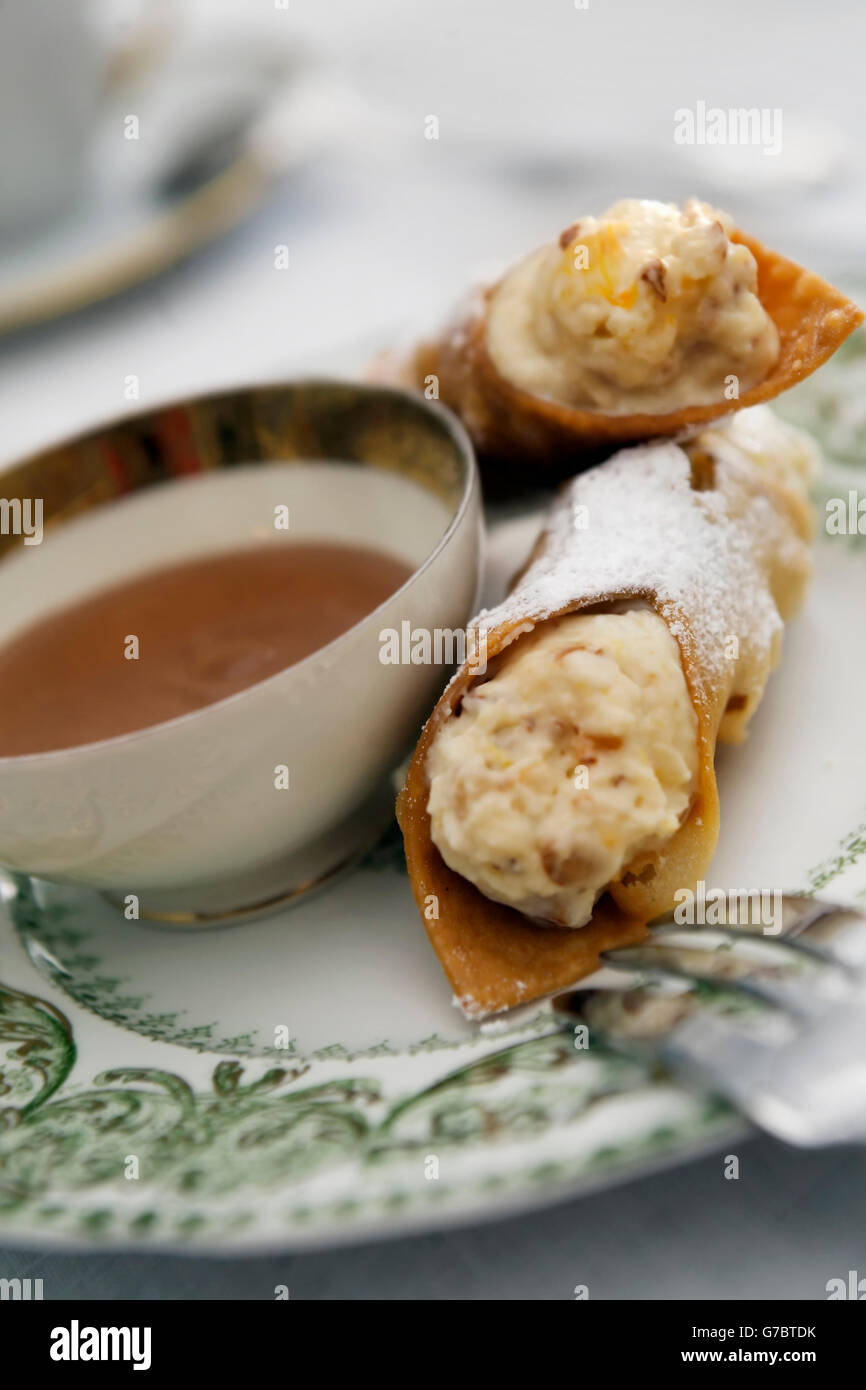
[
  {"x": 55, "y": 74},
  {"x": 50, "y": 89}
]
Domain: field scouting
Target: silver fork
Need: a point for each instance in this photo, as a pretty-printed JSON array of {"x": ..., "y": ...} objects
[{"x": 774, "y": 1023}]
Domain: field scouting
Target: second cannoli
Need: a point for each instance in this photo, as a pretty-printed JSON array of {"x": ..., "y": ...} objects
[
  {"x": 563, "y": 789},
  {"x": 641, "y": 323}
]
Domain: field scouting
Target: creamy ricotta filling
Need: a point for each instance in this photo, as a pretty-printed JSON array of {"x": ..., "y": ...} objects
[
  {"x": 579, "y": 752},
  {"x": 648, "y": 308}
]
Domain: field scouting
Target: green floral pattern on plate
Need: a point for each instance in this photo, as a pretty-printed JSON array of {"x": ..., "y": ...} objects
[
  {"x": 832, "y": 404},
  {"x": 141, "y": 1154}
]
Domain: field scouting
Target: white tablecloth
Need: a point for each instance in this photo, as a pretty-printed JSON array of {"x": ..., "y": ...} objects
[{"x": 791, "y": 1222}]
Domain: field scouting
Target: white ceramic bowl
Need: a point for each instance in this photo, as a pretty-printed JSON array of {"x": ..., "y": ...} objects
[{"x": 184, "y": 821}]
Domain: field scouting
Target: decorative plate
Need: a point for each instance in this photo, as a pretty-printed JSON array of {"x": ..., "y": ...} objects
[{"x": 304, "y": 1079}]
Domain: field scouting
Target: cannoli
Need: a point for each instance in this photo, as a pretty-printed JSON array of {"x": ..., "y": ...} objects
[
  {"x": 563, "y": 788},
  {"x": 645, "y": 322}
]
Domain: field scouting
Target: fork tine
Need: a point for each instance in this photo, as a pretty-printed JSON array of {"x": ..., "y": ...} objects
[
  {"x": 823, "y": 986},
  {"x": 812, "y": 1092},
  {"x": 778, "y": 994},
  {"x": 835, "y": 932},
  {"x": 828, "y": 931},
  {"x": 746, "y": 913},
  {"x": 662, "y": 964},
  {"x": 713, "y": 1050},
  {"x": 796, "y": 1066},
  {"x": 798, "y": 947}
]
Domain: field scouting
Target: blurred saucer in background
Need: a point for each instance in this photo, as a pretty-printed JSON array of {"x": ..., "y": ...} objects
[{"x": 175, "y": 163}]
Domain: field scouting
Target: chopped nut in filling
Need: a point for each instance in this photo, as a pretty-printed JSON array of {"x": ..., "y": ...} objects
[
  {"x": 647, "y": 308},
  {"x": 578, "y": 753}
]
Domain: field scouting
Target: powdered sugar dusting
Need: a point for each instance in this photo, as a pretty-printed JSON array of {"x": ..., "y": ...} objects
[{"x": 636, "y": 527}]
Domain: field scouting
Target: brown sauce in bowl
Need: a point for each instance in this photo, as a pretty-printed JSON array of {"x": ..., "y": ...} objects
[{"x": 204, "y": 629}]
